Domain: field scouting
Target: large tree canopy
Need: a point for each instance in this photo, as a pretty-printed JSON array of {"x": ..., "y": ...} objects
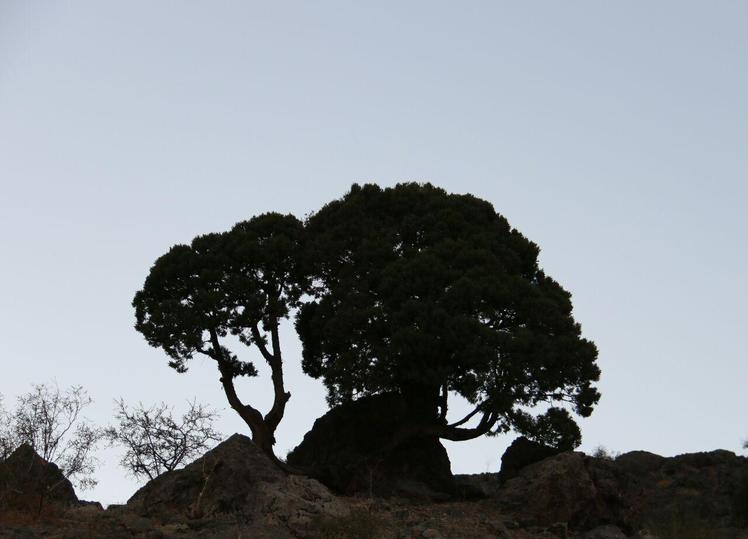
[
  {"x": 242, "y": 283},
  {"x": 428, "y": 294}
]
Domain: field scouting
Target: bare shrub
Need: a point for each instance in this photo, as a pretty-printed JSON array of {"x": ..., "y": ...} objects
[
  {"x": 155, "y": 442},
  {"x": 49, "y": 420},
  {"x": 6, "y": 437},
  {"x": 601, "y": 452}
]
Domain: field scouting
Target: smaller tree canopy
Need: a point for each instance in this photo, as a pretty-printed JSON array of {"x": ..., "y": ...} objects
[
  {"x": 155, "y": 442},
  {"x": 241, "y": 283}
]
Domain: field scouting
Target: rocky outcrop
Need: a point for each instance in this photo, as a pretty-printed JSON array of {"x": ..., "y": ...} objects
[
  {"x": 705, "y": 488},
  {"x": 236, "y": 479},
  {"x": 347, "y": 449},
  {"x": 27, "y": 482},
  {"x": 638, "y": 490},
  {"x": 557, "y": 489},
  {"x": 523, "y": 452}
]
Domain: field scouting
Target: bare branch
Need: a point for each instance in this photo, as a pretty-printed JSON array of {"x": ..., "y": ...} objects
[
  {"x": 49, "y": 421},
  {"x": 155, "y": 442}
]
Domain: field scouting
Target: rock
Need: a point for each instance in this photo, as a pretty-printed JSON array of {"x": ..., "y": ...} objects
[
  {"x": 28, "y": 481},
  {"x": 139, "y": 524},
  {"x": 556, "y": 489},
  {"x": 638, "y": 490},
  {"x": 605, "y": 532},
  {"x": 431, "y": 533},
  {"x": 639, "y": 462},
  {"x": 476, "y": 486},
  {"x": 297, "y": 501},
  {"x": 345, "y": 450},
  {"x": 708, "y": 490},
  {"x": 498, "y": 528},
  {"x": 236, "y": 478},
  {"x": 523, "y": 452},
  {"x": 559, "y": 529},
  {"x": 93, "y": 504}
]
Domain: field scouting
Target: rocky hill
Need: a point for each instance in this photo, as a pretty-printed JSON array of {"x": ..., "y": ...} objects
[{"x": 235, "y": 491}]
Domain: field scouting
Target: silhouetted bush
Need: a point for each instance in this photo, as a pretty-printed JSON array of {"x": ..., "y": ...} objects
[
  {"x": 155, "y": 442},
  {"x": 49, "y": 420}
]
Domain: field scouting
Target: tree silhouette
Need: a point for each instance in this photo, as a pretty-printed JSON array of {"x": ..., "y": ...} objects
[
  {"x": 241, "y": 283},
  {"x": 155, "y": 442},
  {"x": 49, "y": 420},
  {"x": 428, "y": 295}
]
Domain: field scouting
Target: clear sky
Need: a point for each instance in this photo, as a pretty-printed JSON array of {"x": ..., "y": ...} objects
[{"x": 613, "y": 134}]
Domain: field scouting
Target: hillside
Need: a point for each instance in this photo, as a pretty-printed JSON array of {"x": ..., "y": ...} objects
[{"x": 235, "y": 491}]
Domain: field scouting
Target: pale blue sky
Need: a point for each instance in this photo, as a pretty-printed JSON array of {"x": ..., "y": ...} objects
[{"x": 613, "y": 134}]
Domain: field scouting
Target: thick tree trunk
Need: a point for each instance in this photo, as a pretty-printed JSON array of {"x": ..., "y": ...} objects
[{"x": 422, "y": 403}]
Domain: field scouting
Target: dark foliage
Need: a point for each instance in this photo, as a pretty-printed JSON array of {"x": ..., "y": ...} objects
[
  {"x": 241, "y": 283},
  {"x": 429, "y": 294}
]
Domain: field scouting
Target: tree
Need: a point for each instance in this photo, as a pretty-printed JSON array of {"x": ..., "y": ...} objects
[
  {"x": 155, "y": 442},
  {"x": 431, "y": 295},
  {"x": 239, "y": 283},
  {"x": 6, "y": 434},
  {"x": 49, "y": 421}
]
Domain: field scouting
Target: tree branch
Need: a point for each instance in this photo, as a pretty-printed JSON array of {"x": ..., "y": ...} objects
[
  {"x": 260, "y": 342},
  {"x": 250, "y": 415},
  {"x": 450, "y": 432},
  {"x": 467, "y": 417}
]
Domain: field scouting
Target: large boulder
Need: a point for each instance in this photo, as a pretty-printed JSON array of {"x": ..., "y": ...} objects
[
  {"x": 556, "y": 489},
  {"x": 707, "y": 489},
  {"x": 637, "y": 490},
  {"x": 523, "y": 452},
  {"x": 347, "y": 449},
  {"x": 27, "y": 482},
  {"x": 236, "y": 479}
]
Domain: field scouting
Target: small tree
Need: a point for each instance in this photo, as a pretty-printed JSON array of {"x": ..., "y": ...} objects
[
  {"x": 155, "y": 442},
  {"x": 6, "y": 438},
  {"x": 49, "y": 421},
  {"x": 240, "y": 283}
]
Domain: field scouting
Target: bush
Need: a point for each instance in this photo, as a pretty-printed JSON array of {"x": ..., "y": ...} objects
[
  {"x": 155, "y": 442},
  {"x": 50, "y": 421},
  {"x": 601, "y": 452}
]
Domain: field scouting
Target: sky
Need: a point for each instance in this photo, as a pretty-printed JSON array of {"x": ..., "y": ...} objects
[{"x": 612, "y": 134}]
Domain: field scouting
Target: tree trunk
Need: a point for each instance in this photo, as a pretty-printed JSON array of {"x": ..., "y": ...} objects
[{"x": 422, "y": 403}]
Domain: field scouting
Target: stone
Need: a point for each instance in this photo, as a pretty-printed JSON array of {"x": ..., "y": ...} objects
[
  {"x": 637, "y": 490},
  {"x": 559, "y": 529},
  {"x": 523, "y": 452},
  {"x": 27, "y": 480},
  {"x": 498, "y": 528},
  {"x": 476, "y": 486},
  {"x": 347, "y": 451},
  {"x": 639, "y": 462},
  {"x": 556, "y": 489},
  {"x": 238, "y": 480},
  {"x": 605, "y": 532}
]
